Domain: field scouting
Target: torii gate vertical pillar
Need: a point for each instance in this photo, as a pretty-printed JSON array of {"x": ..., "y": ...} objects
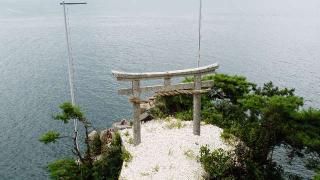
[
  {"x": 136, "y": 113},
  {"x": 197, "y": 104}
]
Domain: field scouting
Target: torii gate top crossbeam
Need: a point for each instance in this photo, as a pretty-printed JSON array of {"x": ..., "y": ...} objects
[{"x": 124, "y": 76}]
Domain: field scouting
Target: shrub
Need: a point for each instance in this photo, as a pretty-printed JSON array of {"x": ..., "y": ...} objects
[
  {"x": 231, "y": 87},
  {"x": 96, "y": 146},
  {"x": 66, "y": 169},
  {"x": 172, "y": 104},
  {"x": 116, "y": 139},
  {"x": 261, "y": 118},
  {"x": 317, "y": 176},
  {"x": 218, "y": 163},
  {"x": 184, "y": 115},
  {"x": 126, "y": 156},
  {"x": 110, "y": 164},
  {"x": 227, "y": 136},
  {"x": 156, "y": 112},
  {"x": 83, "y": 166}
]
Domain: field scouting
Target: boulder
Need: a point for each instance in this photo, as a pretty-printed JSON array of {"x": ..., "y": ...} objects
[
  {"x": 120, "y": 125},
  {"x": 92, "y": 135},
  {"x": 106, "y": 136}
]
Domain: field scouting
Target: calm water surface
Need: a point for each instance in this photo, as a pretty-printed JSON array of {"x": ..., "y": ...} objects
[{"x": 276, "y": 40}]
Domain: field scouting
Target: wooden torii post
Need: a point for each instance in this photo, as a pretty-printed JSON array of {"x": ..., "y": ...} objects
[{"x": 136, "y": 90}]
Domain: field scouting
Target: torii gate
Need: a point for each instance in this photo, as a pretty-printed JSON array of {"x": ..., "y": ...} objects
[{"x": 136, "y": 90}]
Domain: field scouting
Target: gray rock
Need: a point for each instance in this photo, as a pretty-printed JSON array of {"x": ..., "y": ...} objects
[
  {"x": 123, "y": 124},
  {"x": 92, "y": 135},
  {"x": 105, "y": 136}
]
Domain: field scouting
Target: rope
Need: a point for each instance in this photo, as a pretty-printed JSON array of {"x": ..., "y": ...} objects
[
  {"x": 179, "y": 92},
  {"x": 136, "y": 100}
]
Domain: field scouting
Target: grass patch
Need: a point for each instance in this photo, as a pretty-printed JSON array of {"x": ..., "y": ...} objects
[
  {"x": 168, "y": 119},
  {"x": 175, "y": 124},
  {"x": 130, "y": 140},
  {"x": 170, "y": 152},
  {"x": 145, "y": 174},
  {"x": 189, "y": 154},
  {"x": 126, "y": 134},
  {"x": 227, "y": 137},
  {"x": 156, "y": 168},
  {"x": 126, "y": 156}
]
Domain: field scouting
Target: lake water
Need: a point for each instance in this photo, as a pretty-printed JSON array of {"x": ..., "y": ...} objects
[{"x": 276, "y": 40}]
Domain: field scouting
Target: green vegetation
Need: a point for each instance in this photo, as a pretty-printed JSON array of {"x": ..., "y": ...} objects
[
  {"x": 145, "y": 174},
  {"x": 130, "y": 140},
  {"x": 156, "y": 169},
  {"x": 126, "y": 133},
  {"x": 84, "y": 165},
  {"x": 109, "y": 166},
  {"x": 153, "y": 171},
  {"x": 96, "y": 146},
  {"x": 190, "y": 154},
  {"x": 49, "y": 137},
  {"x": 317, "y": 177},
  {"x": 126, "y": 156},
  {"x": 218, "y": 163},
  {"x": 259, "y": 117},
  {"x": 184, "y": 115},
  {"x": 65, "y": 169},
  {"x": 175, "y": 124}
]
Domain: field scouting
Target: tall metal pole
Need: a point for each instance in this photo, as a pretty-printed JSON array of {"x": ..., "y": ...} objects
[
  {"x": 200, "y": 19},
  {"x": 70, "y": 67}
]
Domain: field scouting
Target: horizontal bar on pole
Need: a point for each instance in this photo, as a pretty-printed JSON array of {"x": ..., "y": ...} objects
[
  {"x": 181, "y": 86},
  {"x": 72, "y": 3}
]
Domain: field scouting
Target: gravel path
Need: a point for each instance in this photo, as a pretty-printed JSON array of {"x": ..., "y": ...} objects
[{"x": 168, "y": 150}]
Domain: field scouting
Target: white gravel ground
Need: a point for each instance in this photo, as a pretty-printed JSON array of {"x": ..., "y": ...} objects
[{"x": 168, "y": 152}]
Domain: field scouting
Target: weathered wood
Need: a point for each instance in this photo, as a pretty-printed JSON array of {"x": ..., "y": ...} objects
[
  {"x": 136, "y": 113},
  {"x": 124, "y": 76},
  {"x": 197, "y": 105},
  {"x": 167, "y": 81},
  {"x": 181, "y": 86}
]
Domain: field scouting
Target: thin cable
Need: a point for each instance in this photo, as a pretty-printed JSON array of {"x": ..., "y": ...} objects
[
  {"x": 70, "y": 71},
  {"x": 73, "y": 69},
  {"x": 71, "y": 54},
  {"x": 199, "y": 43}
]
